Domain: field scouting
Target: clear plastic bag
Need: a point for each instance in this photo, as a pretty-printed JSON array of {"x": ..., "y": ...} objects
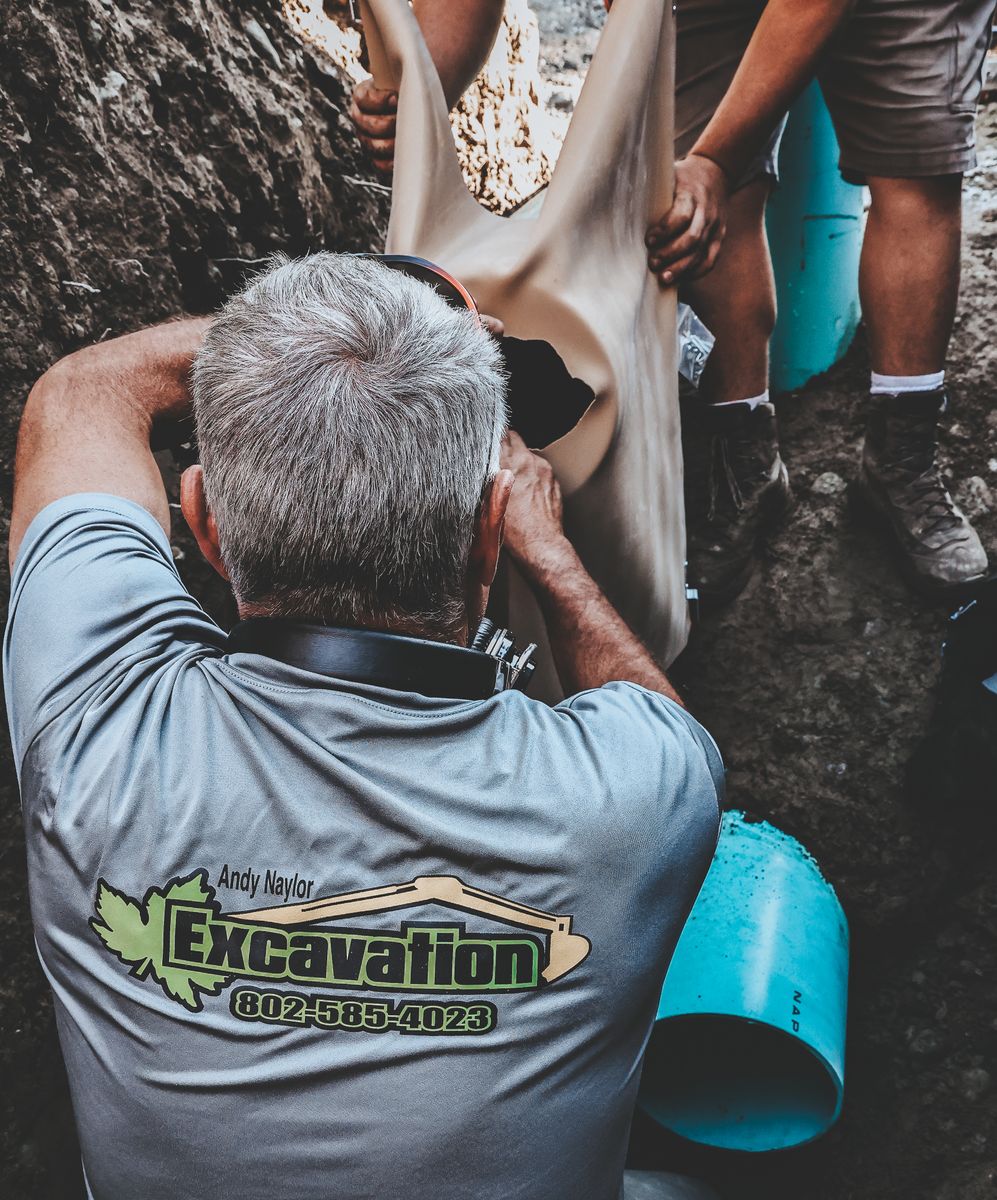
[{"x": 694, "y": 344}]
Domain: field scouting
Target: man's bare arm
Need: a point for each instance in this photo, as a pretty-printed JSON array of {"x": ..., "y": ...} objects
[
  {"x": 591, "y": 642},
  {"x": 460, "y": 35},
  {"x": 90, "y": 420},
  {"x": 780, "y": 60}
]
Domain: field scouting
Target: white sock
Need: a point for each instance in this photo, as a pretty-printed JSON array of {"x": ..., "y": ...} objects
[
  {"x": 897, "y": 385},
  {"x": 752, "y": 401}
]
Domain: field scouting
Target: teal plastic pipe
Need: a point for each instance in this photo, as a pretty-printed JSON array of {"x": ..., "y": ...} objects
[
  {"x": 748, "y": 1050},
  {"x": 815, "y": 223}
]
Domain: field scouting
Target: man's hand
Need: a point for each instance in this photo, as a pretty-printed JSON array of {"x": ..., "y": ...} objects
[
  {"x": 685, "y": 243},
  {"x": 374, "y": 114},
  {"x": 533, "y": 520},
  {"x": 590, "y": 641}
]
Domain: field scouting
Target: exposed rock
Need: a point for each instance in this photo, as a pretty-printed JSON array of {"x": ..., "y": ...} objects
[
  {"x": 975, "y": 1083},
  {"x": 975, "y": 497},
  {"x": 505, "y": 141},
  {"x": 829, "y": 484}
]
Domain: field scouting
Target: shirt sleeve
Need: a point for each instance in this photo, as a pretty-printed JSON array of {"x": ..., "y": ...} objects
[
  {"x": 655, "y": 733},
  {"x": 652, "y": 781},
  {"x": 95, "y": 598}
]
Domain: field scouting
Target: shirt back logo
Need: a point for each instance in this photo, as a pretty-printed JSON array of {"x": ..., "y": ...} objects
[{"x": 178, "y": 937}]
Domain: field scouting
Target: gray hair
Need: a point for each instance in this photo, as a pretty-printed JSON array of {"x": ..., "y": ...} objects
[{"x": 349, "y": 421}]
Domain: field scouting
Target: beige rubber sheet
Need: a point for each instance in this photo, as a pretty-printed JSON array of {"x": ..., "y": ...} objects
[{"x": 571, "y": 269}]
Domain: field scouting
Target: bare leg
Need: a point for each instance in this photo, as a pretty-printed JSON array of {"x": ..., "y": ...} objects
[
  {"x": 737, "y": 302},
  {"x": 736, "y": 483},
  {"x": 909, "y": 282},
  {"x": 909, "y": 274}
]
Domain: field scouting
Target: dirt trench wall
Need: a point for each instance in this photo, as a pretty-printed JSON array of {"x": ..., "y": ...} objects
[{"x": 150, "y": 152}]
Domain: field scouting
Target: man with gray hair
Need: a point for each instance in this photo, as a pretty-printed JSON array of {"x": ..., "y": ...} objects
[{"x": 326, "y": 913}]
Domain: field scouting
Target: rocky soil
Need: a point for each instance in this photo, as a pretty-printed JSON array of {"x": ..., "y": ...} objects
[{"x": 150, "y": 153}]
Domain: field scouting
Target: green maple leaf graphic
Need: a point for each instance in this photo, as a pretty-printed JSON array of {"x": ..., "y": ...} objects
[{"x": 134, "y": 932}]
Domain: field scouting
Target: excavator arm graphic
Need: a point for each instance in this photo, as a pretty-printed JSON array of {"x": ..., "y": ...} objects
[{"x": 566, "y": 949}]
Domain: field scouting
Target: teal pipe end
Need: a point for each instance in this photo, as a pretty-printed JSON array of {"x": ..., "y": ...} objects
[
  {"x": 748, "y": 1048},
  {"x": 738, "y": 1084}
]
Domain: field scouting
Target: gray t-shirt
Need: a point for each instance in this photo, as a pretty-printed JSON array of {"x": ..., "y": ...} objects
[{"x": 321, "y": 941}]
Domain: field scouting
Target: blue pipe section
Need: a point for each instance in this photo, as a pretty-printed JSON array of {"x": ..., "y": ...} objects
[
  {"x": 815, "y": 222},
  {"x": 748, "y": 1050}
]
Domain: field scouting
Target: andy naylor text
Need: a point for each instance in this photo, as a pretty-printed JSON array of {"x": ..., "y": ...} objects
[{"x": 275, "y": 883}]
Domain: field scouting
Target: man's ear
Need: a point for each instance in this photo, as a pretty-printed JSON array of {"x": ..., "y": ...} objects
[
  {"x": 194, "y": 505},
  {"x": 484, "y": 556}
]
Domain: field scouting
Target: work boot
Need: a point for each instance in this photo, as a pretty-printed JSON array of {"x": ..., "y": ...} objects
[
  {"x": 736, "y": 487},
  {"x": 902, "y": 484}
]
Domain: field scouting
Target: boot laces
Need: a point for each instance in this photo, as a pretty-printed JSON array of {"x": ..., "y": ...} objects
[
  {"x": 721, "y": 472},
  {"x": 916, "y": 463}
]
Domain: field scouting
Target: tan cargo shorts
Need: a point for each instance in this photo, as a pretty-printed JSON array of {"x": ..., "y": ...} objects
[{"x": 902, "y": 80}]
